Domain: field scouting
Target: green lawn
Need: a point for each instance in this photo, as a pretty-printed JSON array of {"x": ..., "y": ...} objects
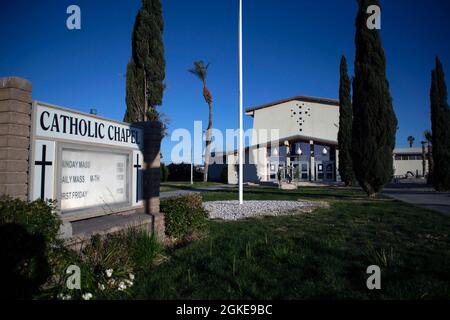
[
  {"x": 183, "y": 185},
  {"x": 320, "y": 255}
]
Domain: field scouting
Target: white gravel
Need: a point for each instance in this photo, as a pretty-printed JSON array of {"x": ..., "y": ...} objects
[{"x": 231, "y": 210}]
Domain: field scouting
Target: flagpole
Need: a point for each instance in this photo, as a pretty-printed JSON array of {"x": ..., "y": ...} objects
[{"x": 241, "y": 111}]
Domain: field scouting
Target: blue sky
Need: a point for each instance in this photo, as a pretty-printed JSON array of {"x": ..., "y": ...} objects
[{"x": 292, "y": 47}]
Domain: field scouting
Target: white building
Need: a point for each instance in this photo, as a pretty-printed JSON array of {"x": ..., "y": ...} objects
[
  {"x": 305, "y": 146},
  {"x": 408, "y": 162}
]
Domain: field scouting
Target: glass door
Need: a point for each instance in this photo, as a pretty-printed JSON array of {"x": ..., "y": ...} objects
[
  {"x": 329, "y": 171},
  {"x": 320, "y": 171}
]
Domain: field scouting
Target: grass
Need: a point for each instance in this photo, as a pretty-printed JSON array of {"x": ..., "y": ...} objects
[
  {"x": 185, "y": 185},
  {"x": 164, "y": 188},
  {"x": 273, "y": 193},
  {"x": 323, "y": 255}
]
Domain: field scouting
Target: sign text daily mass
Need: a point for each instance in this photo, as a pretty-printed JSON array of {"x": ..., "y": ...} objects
[{"x": 86, "y": 128}]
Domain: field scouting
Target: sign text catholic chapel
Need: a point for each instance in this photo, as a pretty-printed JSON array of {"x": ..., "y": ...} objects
[{"x": 90, "y": 165}]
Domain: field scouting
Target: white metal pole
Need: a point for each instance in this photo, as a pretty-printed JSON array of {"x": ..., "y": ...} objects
[
  {"x": 241, "y": 121},
  {"x": 192, "y": 164}
]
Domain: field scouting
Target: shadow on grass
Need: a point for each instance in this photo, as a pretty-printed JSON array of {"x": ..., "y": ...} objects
[{"x": 264, "y": 193}]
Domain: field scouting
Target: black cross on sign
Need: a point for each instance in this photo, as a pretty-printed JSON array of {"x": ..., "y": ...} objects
[
  {"x": 137, "y": 166},
  {"x": 43, "y": 163}
]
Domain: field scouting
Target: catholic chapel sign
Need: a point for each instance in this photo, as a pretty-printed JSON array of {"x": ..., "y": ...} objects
[{"x": 90, "y": 165}]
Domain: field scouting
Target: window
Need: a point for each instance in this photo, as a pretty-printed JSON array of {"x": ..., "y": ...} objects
[{"x": 410, "y": 157}]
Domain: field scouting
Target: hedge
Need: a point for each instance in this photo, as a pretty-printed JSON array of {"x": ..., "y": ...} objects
[{"x": 184, "y": 215}]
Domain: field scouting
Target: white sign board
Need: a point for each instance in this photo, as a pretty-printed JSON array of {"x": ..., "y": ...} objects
[
  {"x": 55, "y": 123},
  {"x": 92, "y": 179},
  {"x": 92, "y": 166}
]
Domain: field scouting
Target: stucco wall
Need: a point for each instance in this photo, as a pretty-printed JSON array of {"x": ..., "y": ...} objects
[
  {"x": 254, "y": 171},
  {"x": 299, "y": 118},
  {"x": 402, "y": 167}
]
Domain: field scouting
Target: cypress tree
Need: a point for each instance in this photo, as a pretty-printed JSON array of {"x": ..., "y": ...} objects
[
  {"x": 374, "y": 120},
  {"x": 440, "y": 123},
  {"x": 345, "y": 126},
  {"x": 134, "y": 94},
  {"x": 146, "y": 71}
]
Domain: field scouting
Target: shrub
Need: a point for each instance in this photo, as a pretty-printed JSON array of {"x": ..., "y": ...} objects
[
  {"x": 38, "y": 217},
  {"x": 224, "y": 174},
  {"x": 35, "y": 260},
  {"x": 164, "y": 173},
  {"x": 182, "y": 172},
  {"x": 184, "y": 215},
  {"x": 29, "y": 237},
  {"x": 108, "y": 264}
]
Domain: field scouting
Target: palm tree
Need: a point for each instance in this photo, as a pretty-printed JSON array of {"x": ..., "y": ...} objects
[
  {"x": 411, "y": 140},
  {"x": 429, "y": 138},
  {"x": 201, "y": 71}
]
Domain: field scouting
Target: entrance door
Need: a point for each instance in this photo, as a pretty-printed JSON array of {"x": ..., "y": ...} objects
[
  {"x": 325, "y": 171},
  {"x": 319, "y": 171},
  {"x": 300, "y": 171},
  {"x": 272, "y": 169},
  {"x": 329, "y": 171},
  {"x": 304, "y": 171}
]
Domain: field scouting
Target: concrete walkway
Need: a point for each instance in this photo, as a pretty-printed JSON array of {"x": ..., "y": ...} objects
[
  {"x": 182, "y": 192},
  {"x": 420, "y": 195}
]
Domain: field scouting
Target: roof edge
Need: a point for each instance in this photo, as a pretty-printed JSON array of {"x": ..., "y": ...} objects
[{"x": 326, "y": 101}]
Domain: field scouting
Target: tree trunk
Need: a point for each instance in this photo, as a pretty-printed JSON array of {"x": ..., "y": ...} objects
[
  {"x": 208, "y": 144},
  {"x": 371, "y": 193},
  {"x": 423, "y": 160},
  {"x": 430, "y": 165}
]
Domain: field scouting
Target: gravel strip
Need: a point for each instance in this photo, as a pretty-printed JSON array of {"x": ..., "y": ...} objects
[{"x": 231, "y": 210}]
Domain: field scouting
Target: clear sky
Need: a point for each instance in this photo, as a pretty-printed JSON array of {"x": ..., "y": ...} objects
[{"x": 292, "y": 47}]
